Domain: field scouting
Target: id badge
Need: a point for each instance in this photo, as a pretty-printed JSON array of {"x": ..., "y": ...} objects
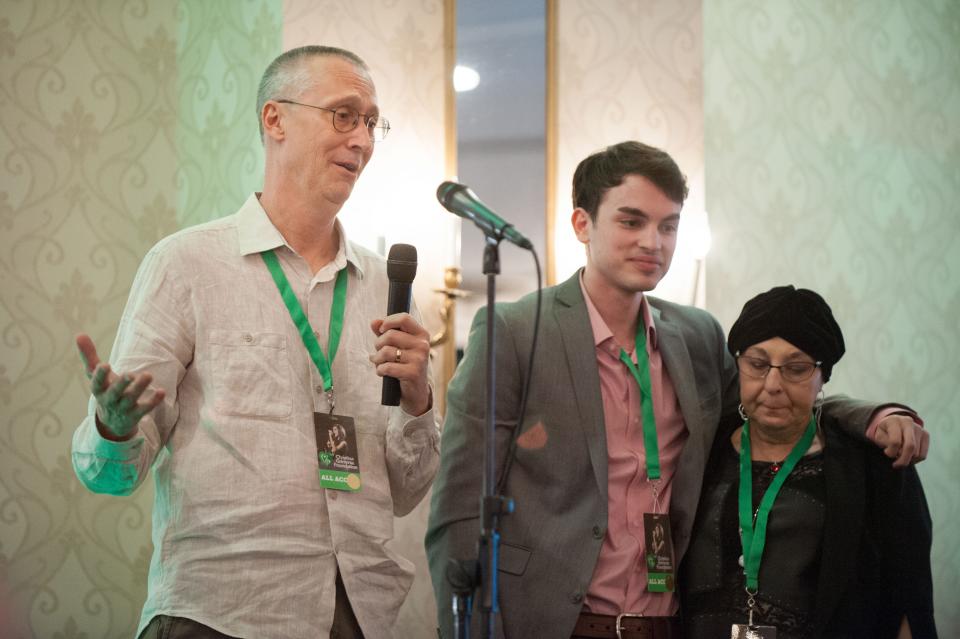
[
  {"x": 337, "y": 458},
  {"x": 661, "y": 573},
  {"x": 746, "y": 631}
]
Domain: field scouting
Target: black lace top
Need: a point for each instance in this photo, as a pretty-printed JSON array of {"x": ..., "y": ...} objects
[{"x": 790, "y": 565}]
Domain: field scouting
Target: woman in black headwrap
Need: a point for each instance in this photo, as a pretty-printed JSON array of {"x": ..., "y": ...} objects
[{"x": 800, "y": 527}]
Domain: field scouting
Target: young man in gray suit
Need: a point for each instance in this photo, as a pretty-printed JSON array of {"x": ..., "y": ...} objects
[{"x": 596, "y": 471}]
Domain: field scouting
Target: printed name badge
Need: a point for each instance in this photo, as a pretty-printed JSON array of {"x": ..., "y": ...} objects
[
  {"x": 339, "y": 464},
  {"x": 746, "y": 631},
  {"x": 661, "y": 575}
]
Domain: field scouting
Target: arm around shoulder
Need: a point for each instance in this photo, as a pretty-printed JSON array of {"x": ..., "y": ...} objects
[{"x": 893, "y": 427}]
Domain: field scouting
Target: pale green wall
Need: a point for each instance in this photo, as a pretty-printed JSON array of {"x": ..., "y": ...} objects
[
  {"x": 222, "y": 48},
  {"x": 119, "y": 123},
  {"x": 832, "y": 150}
]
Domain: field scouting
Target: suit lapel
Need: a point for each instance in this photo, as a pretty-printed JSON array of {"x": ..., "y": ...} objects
[
  {"x": 689, "y": 475},
  {"x": 576, "y": 335},
  {"x": 679, "y": 366}
]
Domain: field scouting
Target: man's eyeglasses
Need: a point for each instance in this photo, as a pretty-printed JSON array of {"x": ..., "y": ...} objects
[
  {"x": 345, "y": 120},
  {"x": 791, "y": 371}
]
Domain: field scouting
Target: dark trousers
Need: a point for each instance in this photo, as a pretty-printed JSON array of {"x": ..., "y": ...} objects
[
  {"x": 345, "y": 624},
  {"x": 167, "y": 627}
]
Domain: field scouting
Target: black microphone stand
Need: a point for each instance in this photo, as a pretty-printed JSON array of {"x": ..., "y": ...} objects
[{"x": 492, "y": 505}]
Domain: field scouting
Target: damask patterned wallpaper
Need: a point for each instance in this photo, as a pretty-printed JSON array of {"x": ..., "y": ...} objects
[
  {"x": 120, "y": 122},
  {"x": 222, "y": 48},
  {"x": 833, "y": 162},
  {"x": 629, "y": 70}
]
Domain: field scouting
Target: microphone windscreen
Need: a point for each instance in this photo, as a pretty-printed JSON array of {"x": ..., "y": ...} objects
[
  {"x": 446, "y": 192},
  {"x": 402, "y": 263}
]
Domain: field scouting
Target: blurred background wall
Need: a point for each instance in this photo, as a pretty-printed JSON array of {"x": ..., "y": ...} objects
[{"x": 832, "y": 154}]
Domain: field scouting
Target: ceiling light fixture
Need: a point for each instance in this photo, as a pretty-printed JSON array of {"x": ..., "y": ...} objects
[{"x": 465, "y": 79}]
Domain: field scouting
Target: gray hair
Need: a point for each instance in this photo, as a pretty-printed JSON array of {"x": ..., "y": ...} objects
[{"x": 288, "y": 77}]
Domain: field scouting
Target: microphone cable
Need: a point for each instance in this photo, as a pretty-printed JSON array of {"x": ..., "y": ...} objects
[{"x": 511, "y": 451}]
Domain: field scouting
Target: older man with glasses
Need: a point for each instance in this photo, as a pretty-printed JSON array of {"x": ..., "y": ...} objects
[{"x": 244, "y": 343}]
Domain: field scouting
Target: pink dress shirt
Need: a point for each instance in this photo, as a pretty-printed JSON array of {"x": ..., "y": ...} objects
[{"x": 619, "y": 582}]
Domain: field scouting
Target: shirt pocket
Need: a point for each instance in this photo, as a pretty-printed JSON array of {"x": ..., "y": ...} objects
[{"x": 251, "y": 374}]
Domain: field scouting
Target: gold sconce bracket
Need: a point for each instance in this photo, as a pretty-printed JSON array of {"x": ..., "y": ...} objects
[
  {"x": 451, "y": 292},
  {"x": 446, "y": 336}
]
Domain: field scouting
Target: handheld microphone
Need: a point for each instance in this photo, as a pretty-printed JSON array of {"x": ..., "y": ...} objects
[
  {"x": 460, "y": 200},
  {"x": 401, "y": 269}
]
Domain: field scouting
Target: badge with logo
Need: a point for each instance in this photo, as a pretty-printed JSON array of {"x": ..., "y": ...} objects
[
  {"x": 337, "y": 458},
  {"x": 661, "y": 575},
  {"x": 747, "y": 631}
]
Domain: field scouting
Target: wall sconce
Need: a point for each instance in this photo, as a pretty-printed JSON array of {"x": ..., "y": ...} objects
[{"x": 446, "y": 336}]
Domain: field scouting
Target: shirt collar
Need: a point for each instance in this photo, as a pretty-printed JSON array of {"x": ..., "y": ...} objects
[
  {"x": 602, "y": 332},
  {"x": 256, "y": 234}
]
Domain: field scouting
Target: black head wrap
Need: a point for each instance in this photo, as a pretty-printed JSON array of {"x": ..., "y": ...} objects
[{"x": 799, "y": 316}]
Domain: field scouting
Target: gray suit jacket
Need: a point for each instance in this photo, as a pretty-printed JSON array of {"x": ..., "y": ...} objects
[
  {"x": 558, "y": 481},
  {"x": 551, "y": 542}
]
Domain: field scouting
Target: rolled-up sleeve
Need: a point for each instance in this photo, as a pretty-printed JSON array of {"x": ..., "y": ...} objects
[
  {"x": 413, "y": 456},
  {"x": 155, "y": 336},
  {"x": 106, "y": 466}
]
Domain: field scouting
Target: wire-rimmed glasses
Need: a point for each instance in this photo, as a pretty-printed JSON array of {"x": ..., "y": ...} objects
[
  {"x": 345, "y": 119},
  {"x": 795, "y": 371}
]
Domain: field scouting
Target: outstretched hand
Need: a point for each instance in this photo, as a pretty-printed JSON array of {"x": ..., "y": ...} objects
[
  {"x": 122, "y": 399},
  {"x": 902, "y": 440}
]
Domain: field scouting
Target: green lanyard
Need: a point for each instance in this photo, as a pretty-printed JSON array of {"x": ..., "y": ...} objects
[
  {"x": 755, "y": 533},
  {"x": 641, "y": 373},
  {"x": 303, "y": 324}
]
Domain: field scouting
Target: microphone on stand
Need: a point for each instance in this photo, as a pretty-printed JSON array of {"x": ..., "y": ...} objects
[
  {"x": 401, "y": 269},
  {"x": 460, "y": 200}
]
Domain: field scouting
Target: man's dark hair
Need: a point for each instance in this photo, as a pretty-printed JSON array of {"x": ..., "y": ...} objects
[
  {"x": 287, "y": 75},
  {"x": 606, "y": 169}
]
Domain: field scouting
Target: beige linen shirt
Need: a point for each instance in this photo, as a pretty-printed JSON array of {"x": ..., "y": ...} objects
[{"x": 245, "y": 539}]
